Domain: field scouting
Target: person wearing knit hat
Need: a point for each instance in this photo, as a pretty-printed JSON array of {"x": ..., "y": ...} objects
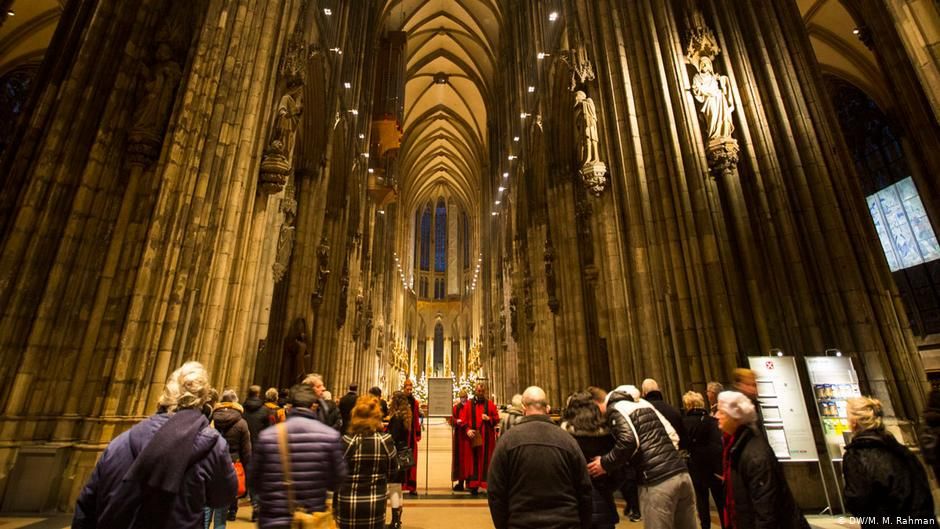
[
  {"x": 756, "y": 492},
  {"x": 647, "y": 442}
]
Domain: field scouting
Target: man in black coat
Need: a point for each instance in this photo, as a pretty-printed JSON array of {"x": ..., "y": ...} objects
[
  {"x": 654, "y": 396},
  {"x": 347, "y": 403},
  {"x": 537, "y": 477}
]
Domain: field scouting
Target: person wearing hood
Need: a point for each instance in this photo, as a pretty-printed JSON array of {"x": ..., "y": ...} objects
[
  {"x": 514, "y": 414},
  {"x": 756, "y": 491},
  {"x": 883, "y": 479},
  {"x": 228, "y": 419},
  {"x": 160, "y": 473},
  {"x": 647, "y": 441}
]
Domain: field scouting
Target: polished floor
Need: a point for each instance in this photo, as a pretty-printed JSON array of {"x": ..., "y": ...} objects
[{"x": 435, "y": 507}]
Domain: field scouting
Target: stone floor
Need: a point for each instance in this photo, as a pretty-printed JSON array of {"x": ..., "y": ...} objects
[{"x": 435, "y": 507}]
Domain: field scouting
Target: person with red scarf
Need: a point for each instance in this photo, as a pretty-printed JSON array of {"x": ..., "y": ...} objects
[
  {"x": 756, "y": 491},
  {"x": 461, "y": 456},
  {"x": 479, "y": 418},
  {"x": 414, "y": 436}
]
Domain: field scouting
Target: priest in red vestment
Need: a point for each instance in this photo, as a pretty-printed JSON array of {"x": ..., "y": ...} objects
[
  {"x": 414, "y": 435},
  {"x": 461, "y": 464},
  {"x": 480, "y": 418}
]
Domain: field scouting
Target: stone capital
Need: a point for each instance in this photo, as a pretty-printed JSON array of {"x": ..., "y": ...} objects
[{"x": 722, "y": 154}]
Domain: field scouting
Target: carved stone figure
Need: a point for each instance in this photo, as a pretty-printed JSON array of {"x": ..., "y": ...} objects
[
  {"x": 586, "y": 121},
  {"x": 513, "y": 319},
  {"x": 550, "y": 287},
  {"x": 153, "y": 111},
  {"x": 714, "y": 92},
  {"x": 295, "y": 349},
  {"x": 323, "y": 270},
  {"x": 581, "y": 69},
  {"x": 343, "y": 295}
]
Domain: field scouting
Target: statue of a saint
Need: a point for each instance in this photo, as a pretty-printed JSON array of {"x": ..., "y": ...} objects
[
  {"x": 285, "y": 125},
  {"x": 163, "y": 78},
  {"x": 586, "y": 121},
  {"x": 714, "y": 92}
]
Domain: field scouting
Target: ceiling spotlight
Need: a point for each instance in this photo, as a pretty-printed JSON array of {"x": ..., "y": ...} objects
[
  {"x": 338, "y": 51},
  {"x": 11, "y": 13},
  {"x": 497, "y": 202},
  {"x": 553, "y": 16},
  {"x": 371, "y": 170},
  {"x": 523, "y": 115},
  {"x": 501, "y": 189},
  {"x": 531, "y": 89},
  {"x": 365, "y": 155},
  {"x": 494, "y": 213},
  {"x": 354, "y": 111},
  {"x": 515, "y": 138},
  {"x": 347, "y": 85},
  {"x": 856, "y": 31},
  {"x": 505, "y": 175},
  {"x": 512, "y": 157},
  {"x": 327, "y": 11},
  {"x": 541, "y": 55},
  {"x": 362, "y": 136}
]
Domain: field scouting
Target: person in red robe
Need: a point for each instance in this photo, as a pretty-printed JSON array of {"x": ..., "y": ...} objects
[
  {"x": 480, "y": 418},
  {"x": 414, "y": 435},
  {"x": 461, "y": 465}
]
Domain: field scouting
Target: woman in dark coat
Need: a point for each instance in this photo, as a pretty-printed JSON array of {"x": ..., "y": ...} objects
[
  {"x": 399, "y": 427},
  {"x": 756, "y": 492},
  {"x": 228, "y": 419},
  {"x": 165, "y": 468},
  {"x": 583, "y": 420},
  {"x": 882, "y": 477},
  {"x": 704, "y": 438},
  {"x": 372, "y": 460}
]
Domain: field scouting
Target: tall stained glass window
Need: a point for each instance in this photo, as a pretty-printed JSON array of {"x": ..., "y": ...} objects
[
  {"x": 465, "y": 225},
  {"x": 440, "y": 237},
  {"x": 426, "y": 238},
  {"x": 903, "y": 227}
]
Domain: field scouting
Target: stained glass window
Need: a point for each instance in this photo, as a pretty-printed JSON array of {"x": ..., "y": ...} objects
[
  {"x": 440, "y": 237},
  {"x": 14, "y": 90},
  {"x": 426, "y": 238},
  {"x": 906, "y": 235}
]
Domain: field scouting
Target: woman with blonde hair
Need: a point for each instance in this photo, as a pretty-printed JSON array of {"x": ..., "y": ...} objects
[
  {"x": 372, "y": 460},
  {"x": 883, "y": 479},
  {"x": 704, "y": 443}
]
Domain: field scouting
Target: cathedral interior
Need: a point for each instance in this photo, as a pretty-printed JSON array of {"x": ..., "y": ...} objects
[{"x": 558, "y": 193}]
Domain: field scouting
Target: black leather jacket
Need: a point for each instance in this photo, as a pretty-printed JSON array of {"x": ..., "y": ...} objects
[{"x": 644, "y": 439}]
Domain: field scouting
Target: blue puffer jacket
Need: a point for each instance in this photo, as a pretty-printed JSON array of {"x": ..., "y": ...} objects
[
  {"x": 209, "y": 480},
  {"x": 317, "y": 465}
]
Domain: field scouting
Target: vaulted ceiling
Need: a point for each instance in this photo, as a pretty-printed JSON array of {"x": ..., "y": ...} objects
[
  {"x": 25, "y": 35},
  {"x": 450, "y": 69}
]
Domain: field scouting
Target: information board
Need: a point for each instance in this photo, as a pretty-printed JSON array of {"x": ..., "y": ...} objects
[
  {"x": 786, "y": 418},
  {"x": 440, "y": 397},
  {"x": 834, "y": 382}
]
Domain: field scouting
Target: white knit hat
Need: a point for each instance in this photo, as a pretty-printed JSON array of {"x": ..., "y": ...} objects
[
  {"x": 627, "y": 390},
  {"x": 737, "y": 406}
]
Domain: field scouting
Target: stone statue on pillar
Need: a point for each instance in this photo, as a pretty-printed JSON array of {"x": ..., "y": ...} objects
[
  {"x": 714, "y": 92},
  {"x": 323, "y": 271},
  {"x": 161, "y": 79},
  {"x": 593, "y": 171},
  {"x": 276, "y": 164}
]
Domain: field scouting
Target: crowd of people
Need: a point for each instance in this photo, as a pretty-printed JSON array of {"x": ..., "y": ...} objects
[{"x": 299, "y": 455}]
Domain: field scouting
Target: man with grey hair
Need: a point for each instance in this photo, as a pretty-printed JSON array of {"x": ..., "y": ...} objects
[
  {"x": 325, "y": 409},
  {"x": 711, "y": 392},
  {"x": 165, "y": 468},
  {"x": 537, "y": 478},
  {"x": 654, "y": 396}
]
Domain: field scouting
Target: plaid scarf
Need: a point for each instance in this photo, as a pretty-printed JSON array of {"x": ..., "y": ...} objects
[{"x": 728, "y": 515}]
